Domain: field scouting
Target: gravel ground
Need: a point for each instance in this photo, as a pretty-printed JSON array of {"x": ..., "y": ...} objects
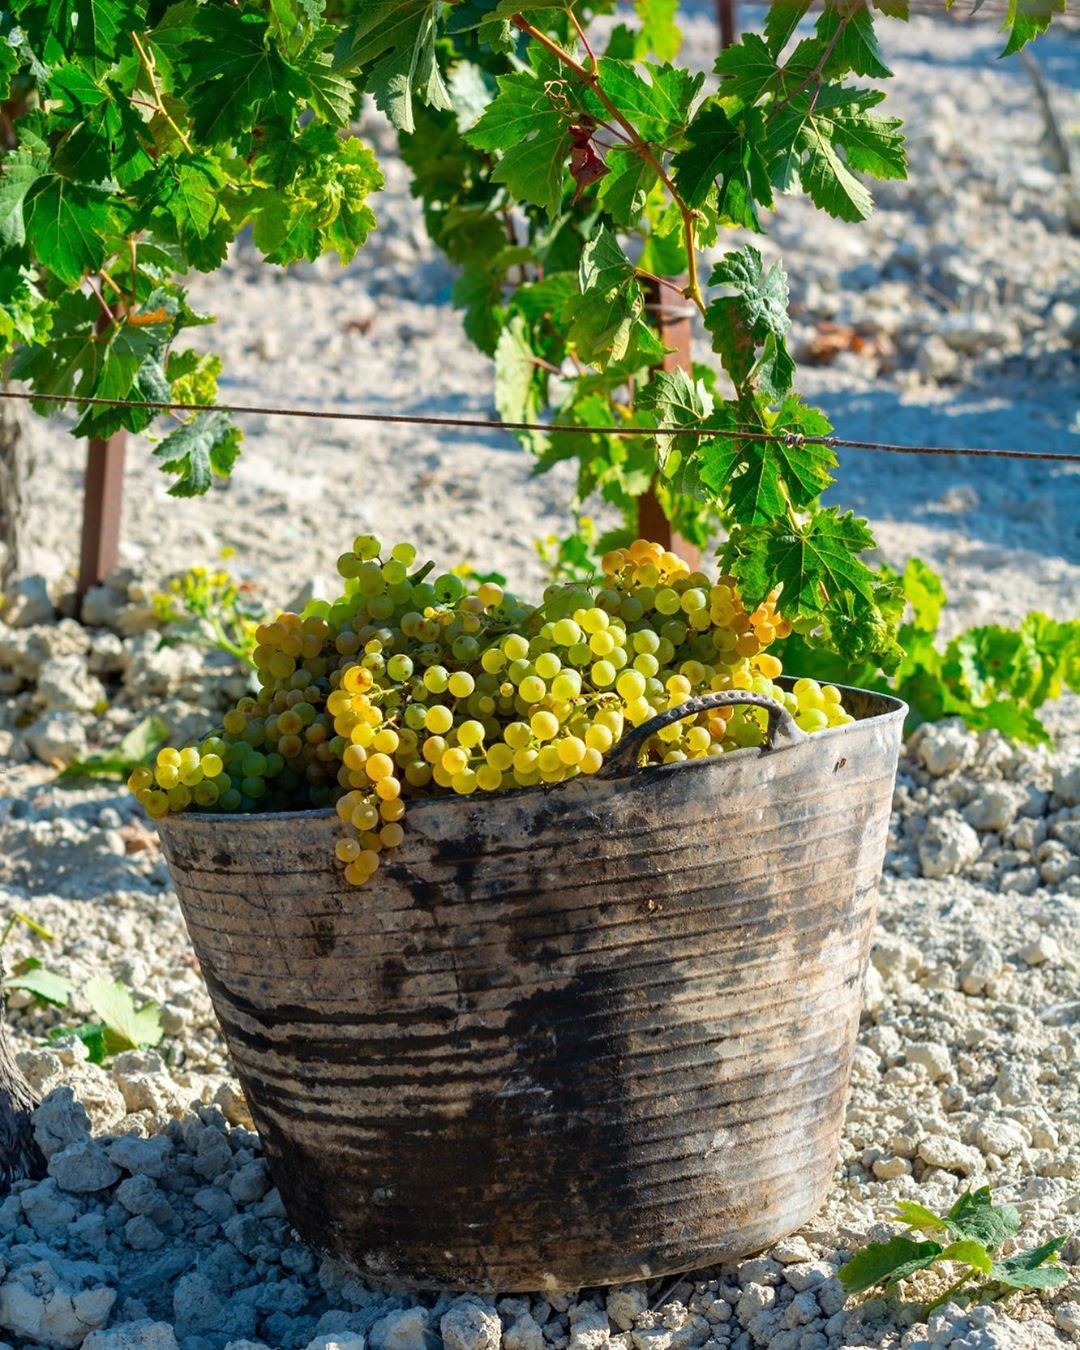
[{"x": 158, "y": 1220}]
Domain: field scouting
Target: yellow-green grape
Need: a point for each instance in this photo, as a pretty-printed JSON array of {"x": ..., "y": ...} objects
[{"x": 403, "y": 687}]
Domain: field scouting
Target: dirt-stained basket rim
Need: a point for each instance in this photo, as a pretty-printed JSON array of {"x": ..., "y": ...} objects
[{"x": 886, "y": 708}]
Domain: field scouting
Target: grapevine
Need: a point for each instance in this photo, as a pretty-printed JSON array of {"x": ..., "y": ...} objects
[
  {"x": 406, "y": 687},
  {"x": 564, "y": 176}
]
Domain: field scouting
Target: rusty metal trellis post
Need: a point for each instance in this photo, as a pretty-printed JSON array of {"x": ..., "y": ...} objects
[
  {"x": 673, "y": 321},
  {"x": 103, "y": 497},
  {"x": 727, "y": 15},
  {"x": 672, "y": 316},
  {"x": 103, "y": 501}
]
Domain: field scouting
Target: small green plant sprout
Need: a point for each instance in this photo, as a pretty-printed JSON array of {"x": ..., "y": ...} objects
[
  {"x": 30, "y": 974},
  {"x": 134, "y": 749},
  {"x": 120, "y": 1026},
  {"x": 210, "y": 609},
  {"x": 971, "y": 1236}
]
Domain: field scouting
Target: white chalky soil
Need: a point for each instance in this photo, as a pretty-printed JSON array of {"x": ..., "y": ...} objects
[{"x": 157, "y": 1227}]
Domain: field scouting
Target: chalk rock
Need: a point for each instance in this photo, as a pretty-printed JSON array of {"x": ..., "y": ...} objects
[
  {"x": 589, "y": 1329},
  {"x": 936, "y": 360},
  {"x": 1000, "y": 1137},
  {"x": 933, "y": 1056},
  {"x": 60, "y": 1120},
  {"x": 944, "y": 747},
  {"x": 27, "y": 602},
  {"x": 142, "y": 1157},
  {"x": 65, "y": 685},
  {"x": 996, "y": 807},
  {"x": 524, "y": 1333},
  {"x": 42, "y": 1308},
  {"x": 948, "y": 846},
  {"x": 625, "y": 1305},
  {"x": 942, "y": 1150},
  {"x": 980, "y": 969},
  {"x": 99, "y": 1095},
  {"x": 1067, "y": 1316},
  {"x": 57, "y": 738},
  {"x": 108, "y": 655},
  {"x": 83, "y": 1167},
  {"x": 1043, "y": 951},
  {"x": 470, "y": 1325},
  {"x": 1022, "y": 881},
  {"x": 47, "y": 1211},
  {"x": 403, "y": 1329},
  {"x": 1067, "y": 782},
  {"x": 141, "y": 1335},
  {"x": 972, "y": 331},
  {"x": 792, "y": 1251}
]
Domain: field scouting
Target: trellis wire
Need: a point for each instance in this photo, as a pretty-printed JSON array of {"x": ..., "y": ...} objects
[{"x": 793, "y": 440}]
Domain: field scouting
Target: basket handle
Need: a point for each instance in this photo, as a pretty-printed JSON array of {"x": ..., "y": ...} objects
[{"x": 782, "y": 731}]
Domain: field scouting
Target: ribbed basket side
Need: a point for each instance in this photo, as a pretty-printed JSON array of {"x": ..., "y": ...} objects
[{"x": 567, "y": 1037}]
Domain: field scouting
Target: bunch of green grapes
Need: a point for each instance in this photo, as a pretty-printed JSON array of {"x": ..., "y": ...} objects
[{"x": 405, "y": 687}]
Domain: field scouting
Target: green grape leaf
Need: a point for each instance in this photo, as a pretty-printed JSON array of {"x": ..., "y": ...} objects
[
  {"x": 236, "y": 76},
  {"x": 659, "y": 32},
  {"x": 86, "y": 31},
  {"x": 329, "y": 93},
  {"x": 971, "y": 1252},
  {"x": 392, "y": 43},
  {"x": 603, "y": 320},
  {"x": 498, "y": 34},
  {"x": 656, "y": 99},
  {"x": 761, "y": 477},
  {"x": 125, "y": 1029},
  {"x": 69, "y": 223},
  {"x": 926, "y": 596},
  {"x": 747, "y": 69},
  {"x": 479, "y": 292},
  {"x": 754, "y": 317},
  {"x": 519, "y": 382},
  {"x": 873, "y": 145},
  {"x": 998, "y": 676},
  {"x": 918, "y": 1216},
  {"x": 624, "y": 190},
  {"x": 206, "y": 444},
  {"x": 315, "y": 198},
  {"x": 31, "y": 976},
  {"x": 25, "y": 313},
  {"x": 1035, "y": 1269},
  {"x": 975, "y": 1216},
  {"x": 67, "y": 358},
  {"x": 887, "y": 1263},
  {"x": 1025, "y": 20},
  {"x": 807, "y": 135},
  {"x": 294, "y": 23},
  {"x": 816, "y": 563},
  {"x": 781, "y": 22},
  {"x": 123, "y": 350},
  {"x": 678, "y": 401},
  {"x": 829, "y": 182},
  {"x": 718, "y": 147},
  {"x": 506, "y": 9},
  {"x": 22, "y": 169},
  {"x": 184, "y": 198},
  {"x": 856, "y": 48},
  {"x": 528, "y": 124}
]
